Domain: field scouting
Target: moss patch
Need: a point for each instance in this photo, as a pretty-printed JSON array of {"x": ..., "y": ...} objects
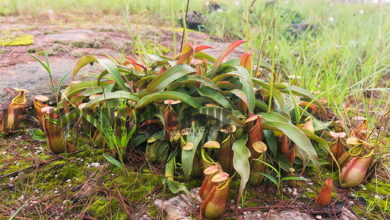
[
  {"x": 16, "y": 40},
  {"x": 375, "y": 195}
]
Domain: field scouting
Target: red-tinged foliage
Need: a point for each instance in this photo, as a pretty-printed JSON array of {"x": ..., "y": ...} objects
[
  {"x": 325, "y": 196},
  {"x": 246, "y": 61},
  {"x": 227, "y": 51},
  {"x": 201, "y": 47},
  {"x": 186, "y": 54},
  {"x": 139, "y": 67}
]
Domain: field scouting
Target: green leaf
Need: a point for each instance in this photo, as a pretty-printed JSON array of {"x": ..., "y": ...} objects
[
  {"x": 60, "y": 83},
  {"x": 192, "y": 79},
  {"x": 273, "y": 180},
  {"x": 221, "y": 114},
  {"x": 78, "y": 87},
  {"x": 215, "y": 96},
  {"x": 113, "y": 95},
  {"x": 271, "y": 141},
  {"x": 114, "y": 72},
  {"x": 187, "y": 156},
  {"x": 169, "y": 76},
  {"x": 241, "y": 161},
  {"x": 277, "y": 95},
  {"x": 176, "y": 187},
  {"x": 273, "y": 116},
  {"x": 160, "y": 96},
  {"x": 203, "y": 55},
  {"x": 81, "y": 62},
  {"x": 305, "y": 147},
  {"x": 294, "y": 178},
  {"x": 247, "y": 87},
  {"x": 229, "y": 74},
  {"x": 304, "y": 93},
  {"x": 38, "y": 135},
  {"x": 261, "y": 105},
  {"x": 113, "y": 161}
]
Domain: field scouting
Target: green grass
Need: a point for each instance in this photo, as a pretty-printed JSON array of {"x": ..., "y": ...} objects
[{"x": 346, "y": 53}]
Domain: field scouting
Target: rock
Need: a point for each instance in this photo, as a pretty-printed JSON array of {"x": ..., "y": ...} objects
[
  {"x": 276, "y": 215},
  {"x": 179, "y": 207},
  {"x": 286, "y": 215},
  {"x": 70, "y": 35},
  {"x": 194, "y": 21},
  {"x": 346, "y": 214}
]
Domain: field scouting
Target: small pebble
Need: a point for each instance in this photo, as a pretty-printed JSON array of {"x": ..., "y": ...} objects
[
  {"x": 21, "y": 198},
  {"x": 295, "y": 191},
  {"x": 318, "y": 217}
]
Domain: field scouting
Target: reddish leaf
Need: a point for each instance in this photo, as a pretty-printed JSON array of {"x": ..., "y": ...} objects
[
  {"x": 186, "y": 54},
  {"x": 227, "y": 51},
  {"x": 311, "y": 106},
  {"x": 136, "y": 65},
  {"x": 201, "y": 47},
  {"x": 246, "y": 61}
]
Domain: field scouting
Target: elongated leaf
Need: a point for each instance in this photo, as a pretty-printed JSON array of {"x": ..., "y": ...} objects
[
  {"x": 271, "y": 141},
  {"x": 227, "y": 51},
  {"x": 304, "y": 93},
  {"x": 169, "y": 76},
  {"x": 275, "y": 93},
  {"x": 202, "y": 55},
  {"x": 186, "y": 53},
  {"x": 176, "y": 187},
  {"x": 139, "y": 67},
  {"x": 247, "y": 88},
  {"x": 305, "y": 147},
  {"x": 114, "y": 72},
  {"x": 187, "y": 156},
  {"x": 60, "y": 83},
  {"x": 78, "y": 87},
  {"x": 294, "y": 178},
  {"x": 81, "y": 62},
  {"x": 193, "y": 79},
  {"x": 201, "y": 47},
  {"x": 273, "y": 116},
  {"x": 241, "y": 161},
  {"x": 229, "y": 74},
  {"x": 113, "y": 95},
  {"x": 160, "y": 96},
  {"x": 215, "y": 96},
  {"x": 273, "y": 179},
  {"x": 221, "y": 114},
  {"x": 113, "y": 161},
  {"x": 261, "y": 105}
]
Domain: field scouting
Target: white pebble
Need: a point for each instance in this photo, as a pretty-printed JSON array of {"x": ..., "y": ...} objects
[{"x": 318, "y": 217}]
